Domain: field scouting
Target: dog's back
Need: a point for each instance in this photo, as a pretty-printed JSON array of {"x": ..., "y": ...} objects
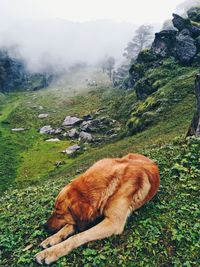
[{"x": 134, "y": 176}]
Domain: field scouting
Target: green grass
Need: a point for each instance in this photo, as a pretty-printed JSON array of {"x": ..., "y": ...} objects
[
  {"x": 173, "y": 86},
  {"x": 162, "y": 233},
  {"x": 159, "y": 234},
  {"x": 40, "y": 160}
]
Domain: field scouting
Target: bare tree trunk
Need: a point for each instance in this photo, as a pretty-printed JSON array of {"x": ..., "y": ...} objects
[{"x": 194, "y": 128}]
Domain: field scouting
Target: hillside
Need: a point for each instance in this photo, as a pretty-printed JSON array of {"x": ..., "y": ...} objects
[
  {"x": 28, "y": 169},
  {"x": 151, "y": 118}
]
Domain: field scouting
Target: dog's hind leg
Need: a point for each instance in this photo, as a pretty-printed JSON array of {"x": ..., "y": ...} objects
[
  {"x": 58, "y": 237},
  {"x": 112, "y": 224}
]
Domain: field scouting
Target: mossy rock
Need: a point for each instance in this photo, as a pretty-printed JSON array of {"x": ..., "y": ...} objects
[
  {"x": 194, "y": 14},
  {"x": 146, "y": 56},
  {"x": 144, "y": 88}
]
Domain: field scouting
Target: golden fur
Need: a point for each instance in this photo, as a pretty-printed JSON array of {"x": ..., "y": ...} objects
[{"x": 110, "y": 190}]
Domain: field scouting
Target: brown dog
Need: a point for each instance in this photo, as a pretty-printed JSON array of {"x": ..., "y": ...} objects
[{"x": 111, "y": 189}]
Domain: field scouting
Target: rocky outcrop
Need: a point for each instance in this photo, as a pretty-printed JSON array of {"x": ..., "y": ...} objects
[
  {"x": 182, "y": 43},
  {"x": 186, "y": 48}
]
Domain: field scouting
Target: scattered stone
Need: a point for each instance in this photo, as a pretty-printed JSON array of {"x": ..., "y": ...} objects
[
  {"x": 58, "y": 163},
  {"x": 69, "y": 121},
  {"x": 40, "y": 107},
  {"x": 73, "y": 133},
  {"x": 18, "y": 130},
  {"x": 72, "y": 149},
  {"x": 53, "y": 140},
  {"x": 43, "y": 116},
  {"x": 87, "y": 137},
  {"x": 47, "y": 129}
]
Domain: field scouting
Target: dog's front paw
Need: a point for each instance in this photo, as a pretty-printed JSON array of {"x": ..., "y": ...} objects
[
  {"x": 47, "y": 256},
  {"x": 50, "y": 241}
]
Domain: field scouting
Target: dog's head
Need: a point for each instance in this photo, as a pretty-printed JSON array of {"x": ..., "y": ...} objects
[
  {"x": 61, "y": 214},
  {"x": 70, "y": 208}
]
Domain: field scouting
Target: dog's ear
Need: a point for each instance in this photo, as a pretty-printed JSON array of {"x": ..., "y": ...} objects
[{"x": 82, "y": 214}]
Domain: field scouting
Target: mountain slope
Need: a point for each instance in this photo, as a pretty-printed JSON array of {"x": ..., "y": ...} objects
[{"x": 152, "y": 118}]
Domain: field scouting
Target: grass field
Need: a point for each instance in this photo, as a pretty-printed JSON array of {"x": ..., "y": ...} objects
[{"x": 165, "y": 232}]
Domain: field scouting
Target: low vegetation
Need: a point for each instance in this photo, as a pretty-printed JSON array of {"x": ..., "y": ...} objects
[{"x": 162, "y": 233}]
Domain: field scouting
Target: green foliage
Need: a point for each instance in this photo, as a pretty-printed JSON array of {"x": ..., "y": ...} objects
[
  {"x": 147, "y": 56},
  {"x": 159, "y": 234},
  {"x": 138, "y": 68},
  {"x": 171, "y": 84}
]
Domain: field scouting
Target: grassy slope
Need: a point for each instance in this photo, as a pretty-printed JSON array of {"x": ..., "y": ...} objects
[
  {"x": 162, "y": 233},
  {"x": 159, "y": 234}
]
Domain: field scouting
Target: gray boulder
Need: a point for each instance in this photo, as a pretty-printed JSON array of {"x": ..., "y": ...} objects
[
  {"x": 73, "y": 133},
  {"x": 164, "y": 42},
  {"x": 186, "y": 48},
  {"x": 71, "y": 150},
  {"x": 86, "y": 137},
  {"x": 47, "y": 129},
  {"x": 43, "y": 116},
  {"x": 180, "y": 23},
  {"x": 70, "y": 121}
]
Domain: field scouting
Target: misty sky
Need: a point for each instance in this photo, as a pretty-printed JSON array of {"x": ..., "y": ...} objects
[
  {"x": 58, "y": 33},
  {"x": 136, "y": 11}
]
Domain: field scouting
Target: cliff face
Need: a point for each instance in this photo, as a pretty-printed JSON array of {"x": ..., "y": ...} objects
[
  {"x": 12, "y": 73},
  {"x": 181, "y": 44},
  {"x": 15, "y": 77}
]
